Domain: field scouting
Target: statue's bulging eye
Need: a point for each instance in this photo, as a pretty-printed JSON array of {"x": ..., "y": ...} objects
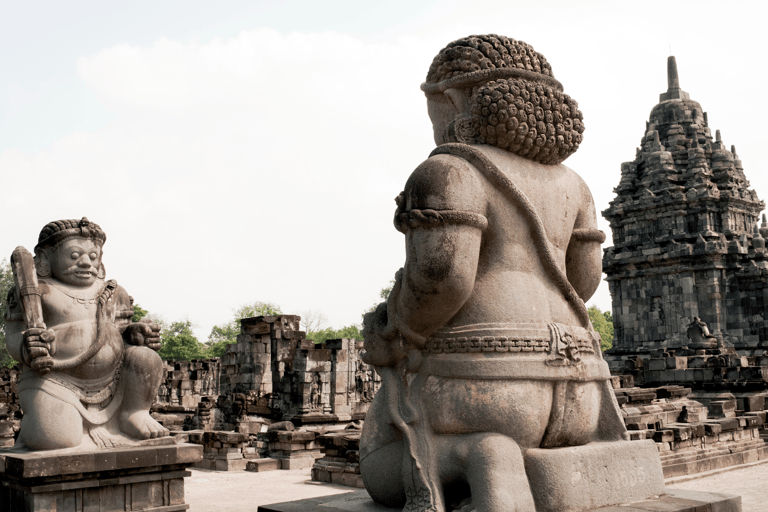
[
  {"x": 75, "y": 255},
  {"x": 93, "y": 255}
]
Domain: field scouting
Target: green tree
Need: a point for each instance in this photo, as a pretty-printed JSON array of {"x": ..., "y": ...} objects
[
  {"x": 383, "y": 294},
  {"x": 602, "y": 321},
  {"x": 138, "y": 313},
  {"x": 350, "y": 331},
  {"x": 6, "y": 282},
  {"x": 313, "y": 321},
  {"x": 226, "y": 334},
  {"x": 179, "y": 342}
]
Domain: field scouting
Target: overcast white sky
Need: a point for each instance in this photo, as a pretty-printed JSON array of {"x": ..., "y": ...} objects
[{"x": 237, "y": 151}]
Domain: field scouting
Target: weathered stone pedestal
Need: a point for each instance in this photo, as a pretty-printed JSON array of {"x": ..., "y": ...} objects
[
  {"x": 675, "y": 500},
  {"x": 606, "y": 477},
  {"x": 149, "y": 478}
]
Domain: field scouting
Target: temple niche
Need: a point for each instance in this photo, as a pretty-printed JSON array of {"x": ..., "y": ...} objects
[{"x": 688, "y": 266}]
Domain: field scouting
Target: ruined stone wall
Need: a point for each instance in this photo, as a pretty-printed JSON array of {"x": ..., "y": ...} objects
[
  {"x": 10, "y": 414},
  {"x": 325, "y": 382},
  {"x": 185, "y": 383},
  {"x": 695, "y": 431},
  {"x": 273, "y": 370}
]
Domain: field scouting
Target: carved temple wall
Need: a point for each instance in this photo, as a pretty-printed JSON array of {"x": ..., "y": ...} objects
[{"x": 686, "y": 239}]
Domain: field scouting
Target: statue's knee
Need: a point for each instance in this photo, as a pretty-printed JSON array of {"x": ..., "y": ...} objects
[
  {"x": 488, "y": 448},
  {"x": 382, "y": 474},
  {"x": 492, "y": 446},
  {"x": 49, "y": 423},
  {"x": 143, "y": 359}
]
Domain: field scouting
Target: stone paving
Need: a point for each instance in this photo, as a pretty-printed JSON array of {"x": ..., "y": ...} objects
[
  {"x": 238, "y": 491},
  {"x": 748, "y": 482}
]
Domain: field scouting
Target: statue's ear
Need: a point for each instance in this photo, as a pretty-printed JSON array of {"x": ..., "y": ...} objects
[
  {"x": 461, "y": 129},
  {"x": 102, "y": 272},
  {"x": 42, "y": 264}
]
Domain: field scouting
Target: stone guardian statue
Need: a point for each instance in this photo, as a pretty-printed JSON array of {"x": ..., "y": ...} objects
[
  {"x": 484, "y": 346},
  {"x": 89, "y": 375}
]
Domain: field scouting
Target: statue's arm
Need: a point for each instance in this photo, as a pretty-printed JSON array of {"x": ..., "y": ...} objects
[
  {"x": 442, "y": 214},
  {"x": 142, "y": 333},
  {"x": 32, "y": 346},
  {"x": 583, "y": 258}
]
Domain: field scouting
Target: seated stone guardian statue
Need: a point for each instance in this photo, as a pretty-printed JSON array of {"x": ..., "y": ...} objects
[
  {"x": 89, "y": 375},
  {"x": 699, "y": 335},
  {"x": 484, "y": 345}
]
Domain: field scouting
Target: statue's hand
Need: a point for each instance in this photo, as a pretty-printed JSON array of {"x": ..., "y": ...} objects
[
  {"x": 143, "y": 333},
  {"x": 38, "y": 349},
  {"x": 382, "y": 343}
]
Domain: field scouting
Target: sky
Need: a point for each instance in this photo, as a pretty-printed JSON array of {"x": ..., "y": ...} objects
[{"x": 242, "y": 151}]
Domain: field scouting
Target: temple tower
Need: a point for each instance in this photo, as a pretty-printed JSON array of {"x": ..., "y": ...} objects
[{"x": 686, "y": 239}]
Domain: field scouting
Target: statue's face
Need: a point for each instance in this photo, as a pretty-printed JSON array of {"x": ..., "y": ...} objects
[
  {"x": 443, "y": 108},
  {"x": 76, "y": 261},
  {"x": 441, "y": 112}
]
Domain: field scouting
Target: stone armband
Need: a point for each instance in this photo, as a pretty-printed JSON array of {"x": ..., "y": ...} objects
[
  {"x": 588, "y": 235},
  {"x": 432, "y": 218}
]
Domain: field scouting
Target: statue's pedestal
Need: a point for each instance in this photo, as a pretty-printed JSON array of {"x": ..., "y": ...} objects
[
  {"x": 148, "y": 478},
  {"x": 676, "y": 500},
  {"x": 623, "y": 476}
]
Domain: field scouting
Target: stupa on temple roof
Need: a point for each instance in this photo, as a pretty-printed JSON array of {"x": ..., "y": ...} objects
[{"x": 686, "y": 241}]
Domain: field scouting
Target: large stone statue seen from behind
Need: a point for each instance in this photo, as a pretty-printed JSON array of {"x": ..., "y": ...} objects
[
  {"x": 89, "y": 374},
  {"x": 494, "y": 390}
]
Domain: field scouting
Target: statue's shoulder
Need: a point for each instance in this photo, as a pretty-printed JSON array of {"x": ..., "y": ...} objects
[
  {"x": 574, "y": 181},
  {"x": 121, "y": 298},
  {"x": 445, "y": 182}
]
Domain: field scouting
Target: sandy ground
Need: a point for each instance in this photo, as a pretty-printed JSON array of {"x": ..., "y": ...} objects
[{"x": 238, "y": 491}]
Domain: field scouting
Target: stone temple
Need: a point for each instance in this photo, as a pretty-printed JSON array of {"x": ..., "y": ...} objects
[{"x": 687, "y": 246}]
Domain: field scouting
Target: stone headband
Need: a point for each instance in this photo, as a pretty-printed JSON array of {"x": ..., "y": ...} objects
[
  {"x": 482, "y": 75},
  {"x": 55, "y": 232}
]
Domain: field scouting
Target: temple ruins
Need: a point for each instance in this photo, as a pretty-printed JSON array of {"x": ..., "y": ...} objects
[
  {"x": 687, "y": 247},
  {"x": 688, "y": 276}
]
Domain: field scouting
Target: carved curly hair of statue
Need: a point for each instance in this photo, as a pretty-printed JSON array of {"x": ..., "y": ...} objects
[
  {"x": 529, "y": 119},
  {"x": 480, "y": 52},
  {"x": 515, "y": 102}
]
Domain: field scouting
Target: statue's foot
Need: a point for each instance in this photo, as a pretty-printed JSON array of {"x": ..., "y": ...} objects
[{"x": 140, "y": 425}]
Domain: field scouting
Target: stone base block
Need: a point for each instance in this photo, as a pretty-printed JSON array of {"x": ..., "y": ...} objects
[
  {"x": 676, "y": 500},
  {"x": 149, "y": 478},
  {"x": 230, "y": 464},
  {"x": 594, "y": 475},
  {"x": 259, "y": 465},
  {"x": 297, "y": 463}
]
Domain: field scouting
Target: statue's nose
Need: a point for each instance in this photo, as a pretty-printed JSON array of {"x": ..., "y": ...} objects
[{"x": 84, "y": 261}]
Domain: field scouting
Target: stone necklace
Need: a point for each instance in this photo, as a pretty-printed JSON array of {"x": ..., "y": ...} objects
[{"x": 77, "y": 297}]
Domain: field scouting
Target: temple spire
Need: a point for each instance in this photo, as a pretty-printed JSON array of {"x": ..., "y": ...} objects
[
  {"x": 674, "y": 92},
  {"x": 673, "y": 80}
]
